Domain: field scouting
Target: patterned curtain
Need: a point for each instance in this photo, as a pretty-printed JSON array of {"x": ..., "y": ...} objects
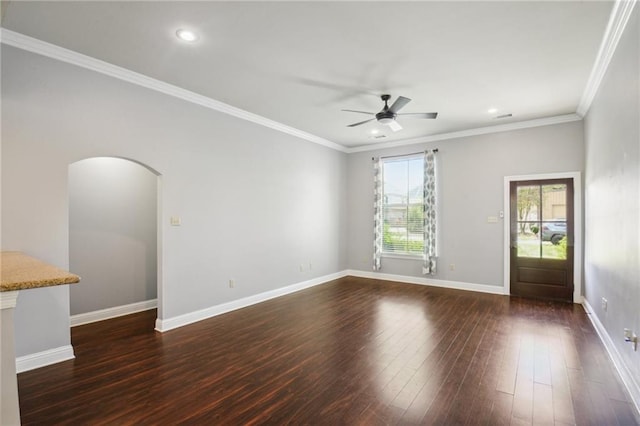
[
  {"x": 377, "y": 214},
  {"x": 430, "y": 225}
]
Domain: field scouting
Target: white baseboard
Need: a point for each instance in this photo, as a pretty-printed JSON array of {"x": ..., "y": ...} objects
[
  {"x": 458, "y": 285},
  {"x": 163, "y": 325},
  {"x": 627, "y": 377},
  {"x": 117, "y": 311},
  {"x": 44, "y": 358}
]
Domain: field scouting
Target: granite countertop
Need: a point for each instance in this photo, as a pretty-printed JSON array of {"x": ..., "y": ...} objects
[{"x": 20, "y": 272}]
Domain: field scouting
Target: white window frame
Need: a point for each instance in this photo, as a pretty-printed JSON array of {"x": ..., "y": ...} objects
[{"x": 389, "y": 254}]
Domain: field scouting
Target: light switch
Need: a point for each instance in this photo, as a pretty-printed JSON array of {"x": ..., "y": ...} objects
[{"x": 175, "y": 221}]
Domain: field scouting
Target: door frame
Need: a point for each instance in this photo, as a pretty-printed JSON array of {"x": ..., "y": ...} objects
[{"x": 577, "y": 227}]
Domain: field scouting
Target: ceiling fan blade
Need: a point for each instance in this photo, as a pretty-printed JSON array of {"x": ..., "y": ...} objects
[
  {"x": 362, "y": 122},
  {"x": 395, "y": 126},
  {"x": 420, "y": 114},
  {"x": 361, "y": 112},
  {"x": 399, "y": 104}
]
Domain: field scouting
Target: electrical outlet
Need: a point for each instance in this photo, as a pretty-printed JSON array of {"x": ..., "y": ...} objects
[
  {"x": 604, "y": 304},
  {"x": 452, "y": 267},
  {"x": 232, "y": 284},
  {"x": 302, "y": 267}
]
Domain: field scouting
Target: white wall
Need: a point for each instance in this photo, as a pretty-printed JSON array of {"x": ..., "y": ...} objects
[
  {"x": 471, "y": 182},
  {"x": 112, "y": 233},
  {"x": 255, "y": 203},
  {"x": 612, "y": 191}
]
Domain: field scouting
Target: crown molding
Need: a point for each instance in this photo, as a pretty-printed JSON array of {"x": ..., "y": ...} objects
[
  {"x": 617, "y": 22},
  {"x": 21, "y": 41},
  {"x": 619, "y": 17},
  {"x": 547, "y": 121}
]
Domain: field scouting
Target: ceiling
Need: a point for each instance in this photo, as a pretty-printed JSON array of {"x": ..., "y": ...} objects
[{"x": 301, "y": 63}]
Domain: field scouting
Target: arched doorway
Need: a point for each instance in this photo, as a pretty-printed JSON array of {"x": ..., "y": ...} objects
[{"x": 113, "y": 238}]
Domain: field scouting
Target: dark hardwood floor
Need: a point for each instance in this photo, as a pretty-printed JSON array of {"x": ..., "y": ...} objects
[{"x": 353, "y": 351}]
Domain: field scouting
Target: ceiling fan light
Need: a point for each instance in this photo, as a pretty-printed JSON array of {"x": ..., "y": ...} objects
[
  {"x": 386, "y": 120},
  {"x": 187, "y": 35}
]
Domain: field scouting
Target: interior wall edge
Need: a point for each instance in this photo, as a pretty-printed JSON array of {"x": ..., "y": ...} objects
[{"x": 628, "y": 380}]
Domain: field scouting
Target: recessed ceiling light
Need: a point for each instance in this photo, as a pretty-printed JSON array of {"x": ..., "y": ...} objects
[
  {"x": 375, "y": 131},
  {"x": 492, "y": 110},
  {"x": 186, "y": 35}
]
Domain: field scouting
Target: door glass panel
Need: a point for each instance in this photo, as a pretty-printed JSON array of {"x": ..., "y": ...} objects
[
  {"x": 528, "y": 211},
  {"x": 555, "y": 251},
  {"x": 554, "y": 221},
  {"x": 528, "y": 202},
  {"x": 554, "y": 202},
  {"x": 528, "y": 242}
]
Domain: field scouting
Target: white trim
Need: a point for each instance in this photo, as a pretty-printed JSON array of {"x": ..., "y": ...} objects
[
  {"x": 44, "y": 358},
  {"x": 547, "y": 121},
  {"x": 457, "y": 285},
  {"x": 629, "y": 381},
  {"x": 577, "y": 227},
  {"x": 8, "y": 299},
  {"x": 30, "y": 44},
  {"x": 163, "y": 325},
  {"x": 117, "y": 311},
  {"x": 617, "y": 22},
  {"x": 159, "y": 247}
]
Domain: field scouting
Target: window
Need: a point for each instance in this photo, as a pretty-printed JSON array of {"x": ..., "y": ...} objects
[{"x": 403, "y": 205}]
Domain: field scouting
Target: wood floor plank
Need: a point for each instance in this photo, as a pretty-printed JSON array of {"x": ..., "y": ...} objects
[
  {"x": 501, "y": 409},
  {"x": 509, "y": 368},
  {"x": 580, "y": 398},
  {"x": 350, "y": 352},
  {"x": 542, "y": 404},
  {"x": 624, "y": 412},
  {"x": 459, "y": 388},
  {"x": 541, "y": 361}
]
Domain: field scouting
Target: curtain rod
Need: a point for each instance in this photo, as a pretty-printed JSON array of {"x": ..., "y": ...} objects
[{"x": 406, "y": 155}]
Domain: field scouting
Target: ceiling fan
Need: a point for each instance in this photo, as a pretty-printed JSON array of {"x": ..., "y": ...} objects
[{"x": 389, "y": 114}]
